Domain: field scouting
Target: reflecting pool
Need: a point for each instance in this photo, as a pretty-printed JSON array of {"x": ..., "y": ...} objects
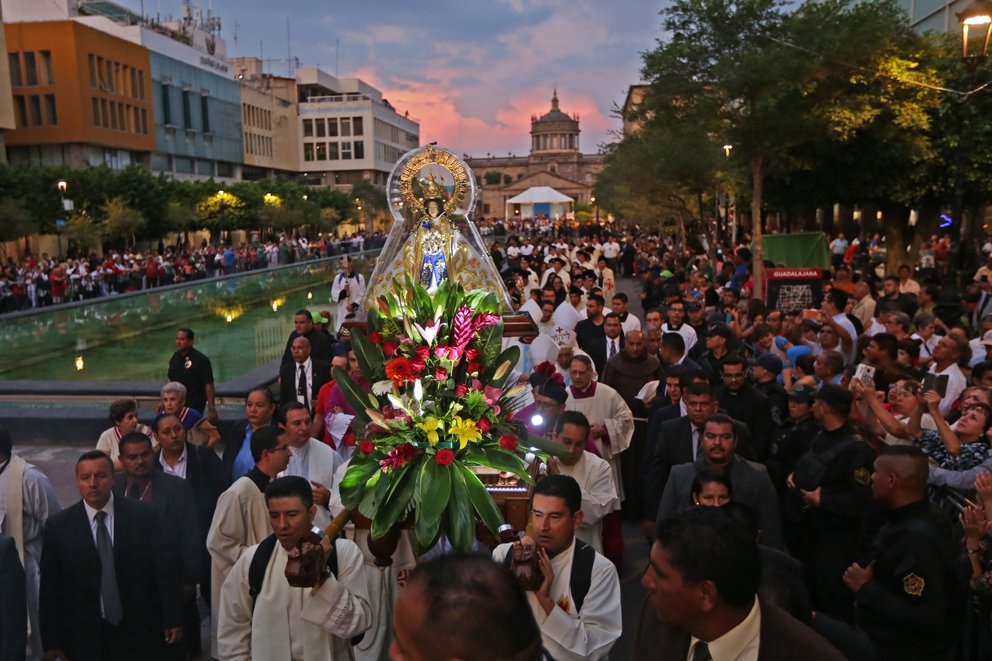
[{"x": 241, "y": 323}]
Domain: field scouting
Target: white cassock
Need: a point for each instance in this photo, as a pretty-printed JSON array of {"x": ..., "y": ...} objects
[
  {"x": 599, "y": 496},
  {"x": 27, "y": 499},
  {"x": 603, "y": 405},
  {"x": 241, "y": 520},
  {"x": 384, "y": 583},
  {"x": 687, "y": 332},
  {"x": 353, "y": 293},
  {"x": 300, "y": 624},
  {"x": 316, "y": 462},
  {"x": 590, "y": 633}
]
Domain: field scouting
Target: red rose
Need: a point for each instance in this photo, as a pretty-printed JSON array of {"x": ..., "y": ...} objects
[
  {"x": 375, "y": 337},
  {"x": 444, "y": 456},
  {"x": 473, "y": 367},
  {"x": 483, "y": 425},
  {"x": 461, "y": 390},
  {"x": 423, "y": 351},
  {"x": 508, "y": 443},
  {"x": 366, "y": 447},
  {"x": 441, "y": 374},
  {"x": 418, "y": 365},
  {"x": 509, "y": 415},
  {"x": 389, "y": 348},
  {"x": 471, "y": 354},
  {"x": 349, "y": 438}
]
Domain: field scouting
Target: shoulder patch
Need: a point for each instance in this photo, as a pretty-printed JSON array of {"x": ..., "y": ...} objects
[
  {"x": 913, "y": 585},
  {"x": 862, "y": 476}
]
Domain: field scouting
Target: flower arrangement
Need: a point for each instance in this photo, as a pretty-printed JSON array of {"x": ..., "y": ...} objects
[{"x": 440, "y": 405}]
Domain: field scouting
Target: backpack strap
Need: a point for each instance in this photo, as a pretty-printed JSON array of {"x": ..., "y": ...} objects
[
  {"x": 581, "y": 578},
  {"x": 256, "y": 570}
]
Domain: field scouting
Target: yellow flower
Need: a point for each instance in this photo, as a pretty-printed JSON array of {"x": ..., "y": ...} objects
[
  {"x": 465, "y": 431},
  {"x": 431, "y": 426}
]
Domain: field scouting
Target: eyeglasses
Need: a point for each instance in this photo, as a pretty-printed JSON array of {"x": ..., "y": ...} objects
[{"x": 281, "y": 448}]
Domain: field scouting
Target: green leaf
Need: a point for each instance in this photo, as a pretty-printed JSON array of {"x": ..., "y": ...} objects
[
  {"x": 368, "y": 355},
  {"x": 511, "y": 354},
  {"x": 355, "y": 396},
  {"x": 507, "y": 461},
  {"x": 461, "y": 522},
  {"x": 543, "y": 445},
  {"x": 353, "y": 484},
  {"x": 396, "y": 502},
  {"x": 434, "y": 490},
  {"x": 481, "y": 500}
]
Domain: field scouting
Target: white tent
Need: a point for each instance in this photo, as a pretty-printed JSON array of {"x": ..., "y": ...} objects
[{"x": 539, "y": 200}]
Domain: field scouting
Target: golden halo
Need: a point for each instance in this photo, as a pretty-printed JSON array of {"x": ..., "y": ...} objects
[{"x": 442, "y": 158}]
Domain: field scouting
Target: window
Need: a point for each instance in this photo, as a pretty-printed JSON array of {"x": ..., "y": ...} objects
[
  {"x": 14, "y": 62},
  {"x": 141, "y": 84},
  {"x": 205, "y": 113},
  {"x": 308, "y": 128},
  {"x": 345, "y": 150},
  {"x": 96, "y": 111},
  {"x": 332, "y": 151},
  {"x": 134, "y": 83},
  {"x": 30, "y": 69},
  {"x": 321, "y": 151},
  {"x": 359, "y": 149},
  {"x": 104, "y": 117},
  {"x": 144, "y": 121},
  {"x": 308, "y": 151},
  {"x": 345, "y": 127},
  {"x": 113, "y": 116},
  {"x": 356, "y": 123},
  {"x": 136, "y": 113},
  {"x": 320, "y": 126},
  {"x": 51, "y": 116},
  {"x": 332, "y": 128},
  {"x": 121, "y": 121},
  {"x": 20, "y": 111},
  {"x": 47, "y": 77},
  {"x": 34, "y": 110},
  {"x": 92, "y": 65},
  {"x": 187, "y": 112},
  {"x": 166, "y": 106}
]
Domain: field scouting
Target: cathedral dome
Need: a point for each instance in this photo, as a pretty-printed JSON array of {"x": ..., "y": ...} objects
[{"x": 554, "y": 130}]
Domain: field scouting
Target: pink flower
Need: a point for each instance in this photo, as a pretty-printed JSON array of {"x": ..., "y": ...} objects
[
  {"x": 471, "y": 354},
  {"x": 440, "y": 374},
  {"x": 398, "y": 456},
  {"x": 461, "y": 390},
  {"x": 492, "y": 394}
]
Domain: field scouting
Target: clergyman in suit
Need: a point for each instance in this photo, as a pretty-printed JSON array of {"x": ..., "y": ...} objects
[
  {"x": 109, "y": 590},
  {"x": 702, "y": 582},
  {"x": 301, "y": 379}
]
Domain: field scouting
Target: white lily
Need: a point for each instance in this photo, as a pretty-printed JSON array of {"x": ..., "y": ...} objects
[{"x": 382, "y": 387}]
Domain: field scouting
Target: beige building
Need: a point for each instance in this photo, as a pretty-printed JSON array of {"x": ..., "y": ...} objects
[
  {"x": 6, "y": 98},
  {"x": 554, "y": 160},
  {"x": 269, "y": 121}
]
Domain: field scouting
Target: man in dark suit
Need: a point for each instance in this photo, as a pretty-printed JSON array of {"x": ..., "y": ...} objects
[
  {"x": 203, "y": 471},
  {"x": 14, "y": 605},
  {"x": 109, "y": 589},
  {"x": 172, "y": 499},
  {"x": 702, "y": 581},
  {"x": 301, "y": 379},
  {"x": 602, "y": 349},
  {"x": 321, "y": 344}
]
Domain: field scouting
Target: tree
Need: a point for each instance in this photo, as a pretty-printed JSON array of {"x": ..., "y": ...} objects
[
  {"x": 16, "y": 222},
  {"x": 123, "y": 222}
]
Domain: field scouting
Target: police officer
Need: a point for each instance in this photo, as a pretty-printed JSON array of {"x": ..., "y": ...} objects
[
  {"x": 911, "y": 587},
  {"x": 833, "y": 480},
  {"x": 193, "y": 369},
  {"x": 790, "y": 441}
]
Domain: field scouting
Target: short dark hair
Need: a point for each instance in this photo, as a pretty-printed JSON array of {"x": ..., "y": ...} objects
[
  {"x": 189, "y": 333},
  {"x": 286, "y": 408},
  {"x": 721, "y": 419},
  {"x": 887, "y": 342},
  {"x": 121, "y": 407},
  {"x": 689, "y": 376},
  {"x": 613, "y": 315},
  {"x": 266, "y": 438},
  {"x": 837, "y": 297},
  {"x": 620, "y": 295},
  {"x": 561, "y": 486},
  {"x": 478, "y": 610},
  {"x": 710, "y": 474},
  {"x": 576, "y": 418},
  {"x": 706, "y": 544},
  {"x": 597, "y": 298},
  {"x": 92, "y": 455},
  {"x": 834, "y": 361},
  {"x": 306, "y": 313},
  {"x": 732, "y": 359},
  {"x": 289, "y": 486},
  {"x": 265, "y": 391},
  {"x": 133, "y": 438},
  {"x": 673, "y": 341},
  {"x": 162, "y": 416},
  {"x": 976, "y": 373},
  {"x": 697, "y": 388}
]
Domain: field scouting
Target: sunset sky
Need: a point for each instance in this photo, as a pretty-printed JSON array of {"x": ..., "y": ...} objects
[{"x": 471, "y": 71}]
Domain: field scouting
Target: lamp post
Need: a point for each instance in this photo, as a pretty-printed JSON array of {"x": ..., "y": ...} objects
[
  {"x": 60, "y": 222},
  {"x": 976, "y": 28},
  {"x": 593, "y": 200}
]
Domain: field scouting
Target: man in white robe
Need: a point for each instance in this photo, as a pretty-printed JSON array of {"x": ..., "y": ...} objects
[
  {"x": 241, "y": 518},
  {"x": 347, "y": 291},
  {"x": 570, "y": 632},
  {"x": 311, "y": 459},
  {"x": 594, "y": 476},
  {"x": 27, "y": 499},
  {"x": 285, "y": 622}
]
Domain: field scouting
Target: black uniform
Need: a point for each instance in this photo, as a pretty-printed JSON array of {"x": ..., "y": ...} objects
[
  {"x": 914, "y": 605},
  {"x": 831, "y": 533},
  {"x": 750, "y": 406},
  {"x": 195, "y": 372},
  {"x": 778, "y": 399}
]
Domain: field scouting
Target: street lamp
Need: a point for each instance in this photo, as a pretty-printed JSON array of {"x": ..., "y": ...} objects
[
  {"x": 60, "y": 222},
  {"x": 593, "y": 200}
]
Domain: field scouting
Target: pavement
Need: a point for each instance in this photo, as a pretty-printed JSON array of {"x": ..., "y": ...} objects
[{"x": 58, "y": 463}]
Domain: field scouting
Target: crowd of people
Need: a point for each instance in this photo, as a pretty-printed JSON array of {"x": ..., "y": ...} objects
[
  {"x": 38, "y": 281},
  {"x": 811, "y": 482}
]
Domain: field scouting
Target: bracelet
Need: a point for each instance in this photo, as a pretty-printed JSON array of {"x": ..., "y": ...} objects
[{"x": 973, "y": 551}]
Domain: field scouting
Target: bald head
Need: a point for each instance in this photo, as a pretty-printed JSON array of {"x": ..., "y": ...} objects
[
  {"x": 300, "y": 349},
  {"x": 634, "y": 344}
]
